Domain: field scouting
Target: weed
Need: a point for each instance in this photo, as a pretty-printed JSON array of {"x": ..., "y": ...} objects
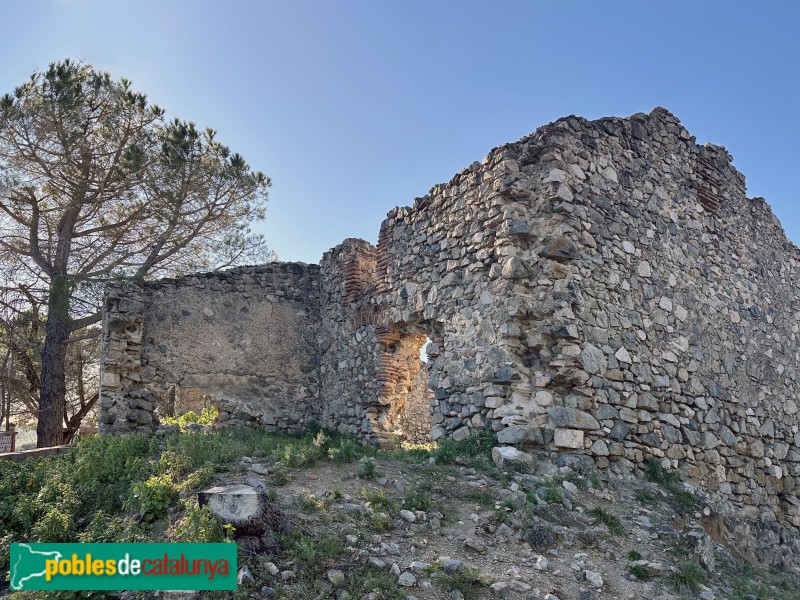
[
  {"x": 419, "y": 499},
  {"x": 345, "y": 450},
  {"x": 206, "y": 417},
  {"x": 153, "y": 497},
  {"x": 688, "y": 577},
  {"x": 501, "y": 516},
  {"x": 639, "y": 571},
  {"x": 634, "y": 555},
  {"x": 552, "y": 495},
  {"x": 367, "y": 469},
  {"x": 337, "y": 495},
  {"x": 374, "y": 583},
  {"x": 378, "y": 500},
  {"x": 606, "y": 518},
  {"x": 658, "y": 474},
  {"x": 682, "y": 500},
  {"x": 466, "y": 580},
  {"x": 645, "y": 497},
  {"x": 379, "y": 522},
  {"x": 479, "y": 444},
  {"x": 309, "y": 504},
  {"x": 198, "y": 525},
  {"x": 311, "y": 554},
  {"x": 280, "y": 476}
]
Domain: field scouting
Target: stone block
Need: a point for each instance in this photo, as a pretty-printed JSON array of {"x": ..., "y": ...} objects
[
  {"x": 568, "y": 438},
  {"x": 234, "y": 504},
  {"x": 506, "y": 456},
  {"x": 520, "y": 434},
  {"x": 563, "y": 416}
]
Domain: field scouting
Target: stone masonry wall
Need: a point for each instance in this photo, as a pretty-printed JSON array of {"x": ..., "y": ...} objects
[
  {"x": 674, "y": 326},
  {"x": 601, "y": 288},
  {"x": 247, "y": 337}
]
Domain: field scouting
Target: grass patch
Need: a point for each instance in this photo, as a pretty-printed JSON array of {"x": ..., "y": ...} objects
[
  {"x": 482, "y": 497},
  {"x": 682, "y": 500},
  {"x": 606, "y": 518},
  {"x": 466, "y": 580},
  {"x": 639, "y": 572},
  {"x": 645, "y": 497},
  {"x": 418, "y": 499},
  {"x": 552, "y": 495},
  {"x": 634, "y": 555},
  {"x": 477, "y": 445},
  {"x": 688, "y": 577}
]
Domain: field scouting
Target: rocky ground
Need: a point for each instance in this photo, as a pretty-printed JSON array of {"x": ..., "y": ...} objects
[{"x": 390, "y": 526}]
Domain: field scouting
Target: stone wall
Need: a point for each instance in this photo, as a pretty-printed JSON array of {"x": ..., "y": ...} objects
[
  {"x": 668, "y": 325},
  {"x": 246, "y": 337},
  {"x": 598, "y": 287}
]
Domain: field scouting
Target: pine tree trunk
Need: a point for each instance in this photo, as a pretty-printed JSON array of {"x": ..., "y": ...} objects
[{"x": 52, "y": 398}]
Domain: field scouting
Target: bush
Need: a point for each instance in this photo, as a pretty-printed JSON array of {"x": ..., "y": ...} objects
[
  {"x": 207, "y": 416},
  {"x": 154, "y": 496},
  {"x": 198, "y": 525},
  {"x": 367, "y": 469},
  {"x": 68, "y": 497}
]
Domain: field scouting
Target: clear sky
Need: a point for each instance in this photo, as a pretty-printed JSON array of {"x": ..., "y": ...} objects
[{"x": 354, "y": 107}]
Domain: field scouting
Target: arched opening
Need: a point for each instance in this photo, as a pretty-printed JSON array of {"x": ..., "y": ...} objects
[{"x": 406, "y": 357}]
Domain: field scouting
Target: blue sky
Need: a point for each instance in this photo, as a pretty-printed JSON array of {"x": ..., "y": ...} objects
[{"x": 353, "y": 108}]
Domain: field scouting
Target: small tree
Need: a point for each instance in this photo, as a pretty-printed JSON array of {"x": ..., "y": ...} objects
[{"x": 94, "y": 184}]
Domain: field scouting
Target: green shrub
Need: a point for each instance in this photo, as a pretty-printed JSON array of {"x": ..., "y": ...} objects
[
  {"x": 639, "y": 572},
  {"x": 367, "y": 469},
  {"x": 345, "y": 450},
  {"x": 418, "y": 499},
  {"x": 465, "y": 579},
  {"x": 378, "y": 500},
  {"x": 688, "y": 577},
  {"x": 379, "y": 522},
  {"x": 153, "y": 497},
  {"x": 207, "y": 416},
  {"x": 198, "y": 524},
  {"x": 552, "y": 495}
]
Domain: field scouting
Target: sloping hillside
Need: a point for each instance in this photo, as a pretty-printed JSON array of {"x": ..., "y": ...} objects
[{"x": 443, "y": 522}]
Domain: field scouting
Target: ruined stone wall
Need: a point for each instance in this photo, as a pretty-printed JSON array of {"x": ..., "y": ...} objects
[
  {"x": 668, "y": 316},
  {"x": 600, "y": 287},
  {"x": 247, "y": 337}
]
